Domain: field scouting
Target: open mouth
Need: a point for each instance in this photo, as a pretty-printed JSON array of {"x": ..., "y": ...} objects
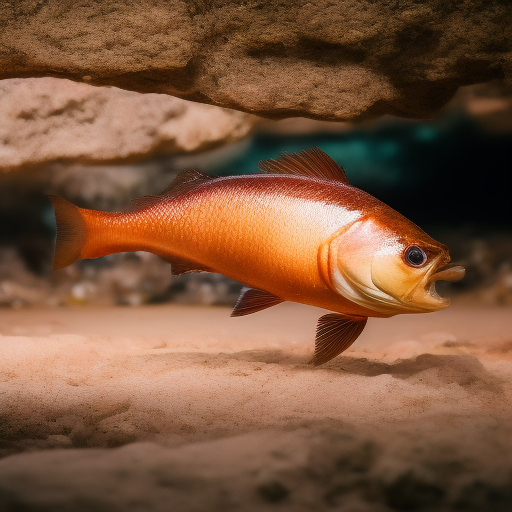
[{"x": 448, "y": 273}]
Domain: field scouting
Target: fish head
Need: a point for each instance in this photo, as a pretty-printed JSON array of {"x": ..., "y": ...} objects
[{"x": 389, "y": 265}]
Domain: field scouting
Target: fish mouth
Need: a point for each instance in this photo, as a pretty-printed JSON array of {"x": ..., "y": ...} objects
[{"x": 450, "y": 273}]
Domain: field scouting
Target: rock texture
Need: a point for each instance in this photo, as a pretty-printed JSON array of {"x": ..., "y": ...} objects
[
  {"x": 46, "y": 120},
  {"x": 134, "y": 409},
  {"x": 341, "y": 60}
]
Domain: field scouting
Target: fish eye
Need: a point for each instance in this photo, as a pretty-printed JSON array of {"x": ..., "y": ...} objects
[{"x": 415, "y": 256}]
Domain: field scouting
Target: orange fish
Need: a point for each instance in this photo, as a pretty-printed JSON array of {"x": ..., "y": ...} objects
[{"x": 299, "y": 232}]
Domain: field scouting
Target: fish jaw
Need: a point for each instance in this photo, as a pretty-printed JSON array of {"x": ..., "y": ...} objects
[
  {"x": 423, "y": 297},
  {"x": 450, "y": 273}
]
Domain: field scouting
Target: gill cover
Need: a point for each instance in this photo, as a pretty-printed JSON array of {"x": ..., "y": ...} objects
[
  {"x": 366, "y": 267},
  {"x": 351, "y": 254}
]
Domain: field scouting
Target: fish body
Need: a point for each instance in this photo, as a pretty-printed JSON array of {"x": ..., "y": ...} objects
[{"x": 298, "y": 233}]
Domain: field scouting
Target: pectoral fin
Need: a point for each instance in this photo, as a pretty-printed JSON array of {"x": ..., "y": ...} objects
[
  {"x": 252, "y": 300},
  {"x": 334, "y": 334}
]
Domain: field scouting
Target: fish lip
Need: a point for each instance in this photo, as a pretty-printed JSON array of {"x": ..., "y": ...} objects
[{"x": 447, "y": 272}]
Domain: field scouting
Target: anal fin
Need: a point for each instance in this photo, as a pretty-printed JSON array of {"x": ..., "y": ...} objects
[
  {"x": 334, "y": 334},
  {"x": 180, "y": 266},
  {"x": 252, "y": 300}
]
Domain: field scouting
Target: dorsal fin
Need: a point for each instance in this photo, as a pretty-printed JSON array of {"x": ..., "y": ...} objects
[
  {"x": 252, "y": 300},
  {"x": 312, "y": 162},
  {"x": 185, "y": 181}
]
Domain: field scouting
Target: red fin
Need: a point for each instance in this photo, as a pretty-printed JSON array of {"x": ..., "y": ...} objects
[
  {"x": 144, "y": 202},
  {"x": 252, "y": 301},
  {"x": 71, "y": 232},
  {"x": 185, "y": 181},
  {"x": 312, "y": 162},
  {"x": 334, "y": 334},
  {"x": 180, "y": 266}
]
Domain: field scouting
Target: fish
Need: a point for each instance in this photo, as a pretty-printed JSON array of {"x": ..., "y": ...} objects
[{"x": 297, "y": 231}]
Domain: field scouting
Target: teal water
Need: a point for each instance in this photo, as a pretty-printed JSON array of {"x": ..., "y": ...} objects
[{"x": 448, "y": 170}]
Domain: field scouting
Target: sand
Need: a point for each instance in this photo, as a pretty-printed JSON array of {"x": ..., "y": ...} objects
[{"x": 171, "y": 407}]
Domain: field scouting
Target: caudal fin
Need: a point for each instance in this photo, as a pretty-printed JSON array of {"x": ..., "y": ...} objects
[{"x": 71, "y": 232}]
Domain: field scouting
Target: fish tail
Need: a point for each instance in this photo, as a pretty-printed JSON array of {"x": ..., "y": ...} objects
[
  {"x": 83, "y": 233},
  {"x": 71, "y": 232}
]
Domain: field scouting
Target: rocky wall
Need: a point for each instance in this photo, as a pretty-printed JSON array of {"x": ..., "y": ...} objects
[{"x": 342, "y": 60}]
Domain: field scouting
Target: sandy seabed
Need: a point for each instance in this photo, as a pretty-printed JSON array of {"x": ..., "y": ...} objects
[{"x": 182, "y": 408}]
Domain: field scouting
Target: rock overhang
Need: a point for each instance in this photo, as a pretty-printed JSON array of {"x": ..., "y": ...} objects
[{"x": 346, "y": 60}]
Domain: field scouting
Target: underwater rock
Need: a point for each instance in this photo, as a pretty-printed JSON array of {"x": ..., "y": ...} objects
[
  {"x": 125, "y": 279},
  {"x": 18, "y": 285},
  {"x": 327, "y": 60},
  {"x": 46, "y": 120},
  {"x": 128, "y": 279},
  {"x": 490, "y": 104}
]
